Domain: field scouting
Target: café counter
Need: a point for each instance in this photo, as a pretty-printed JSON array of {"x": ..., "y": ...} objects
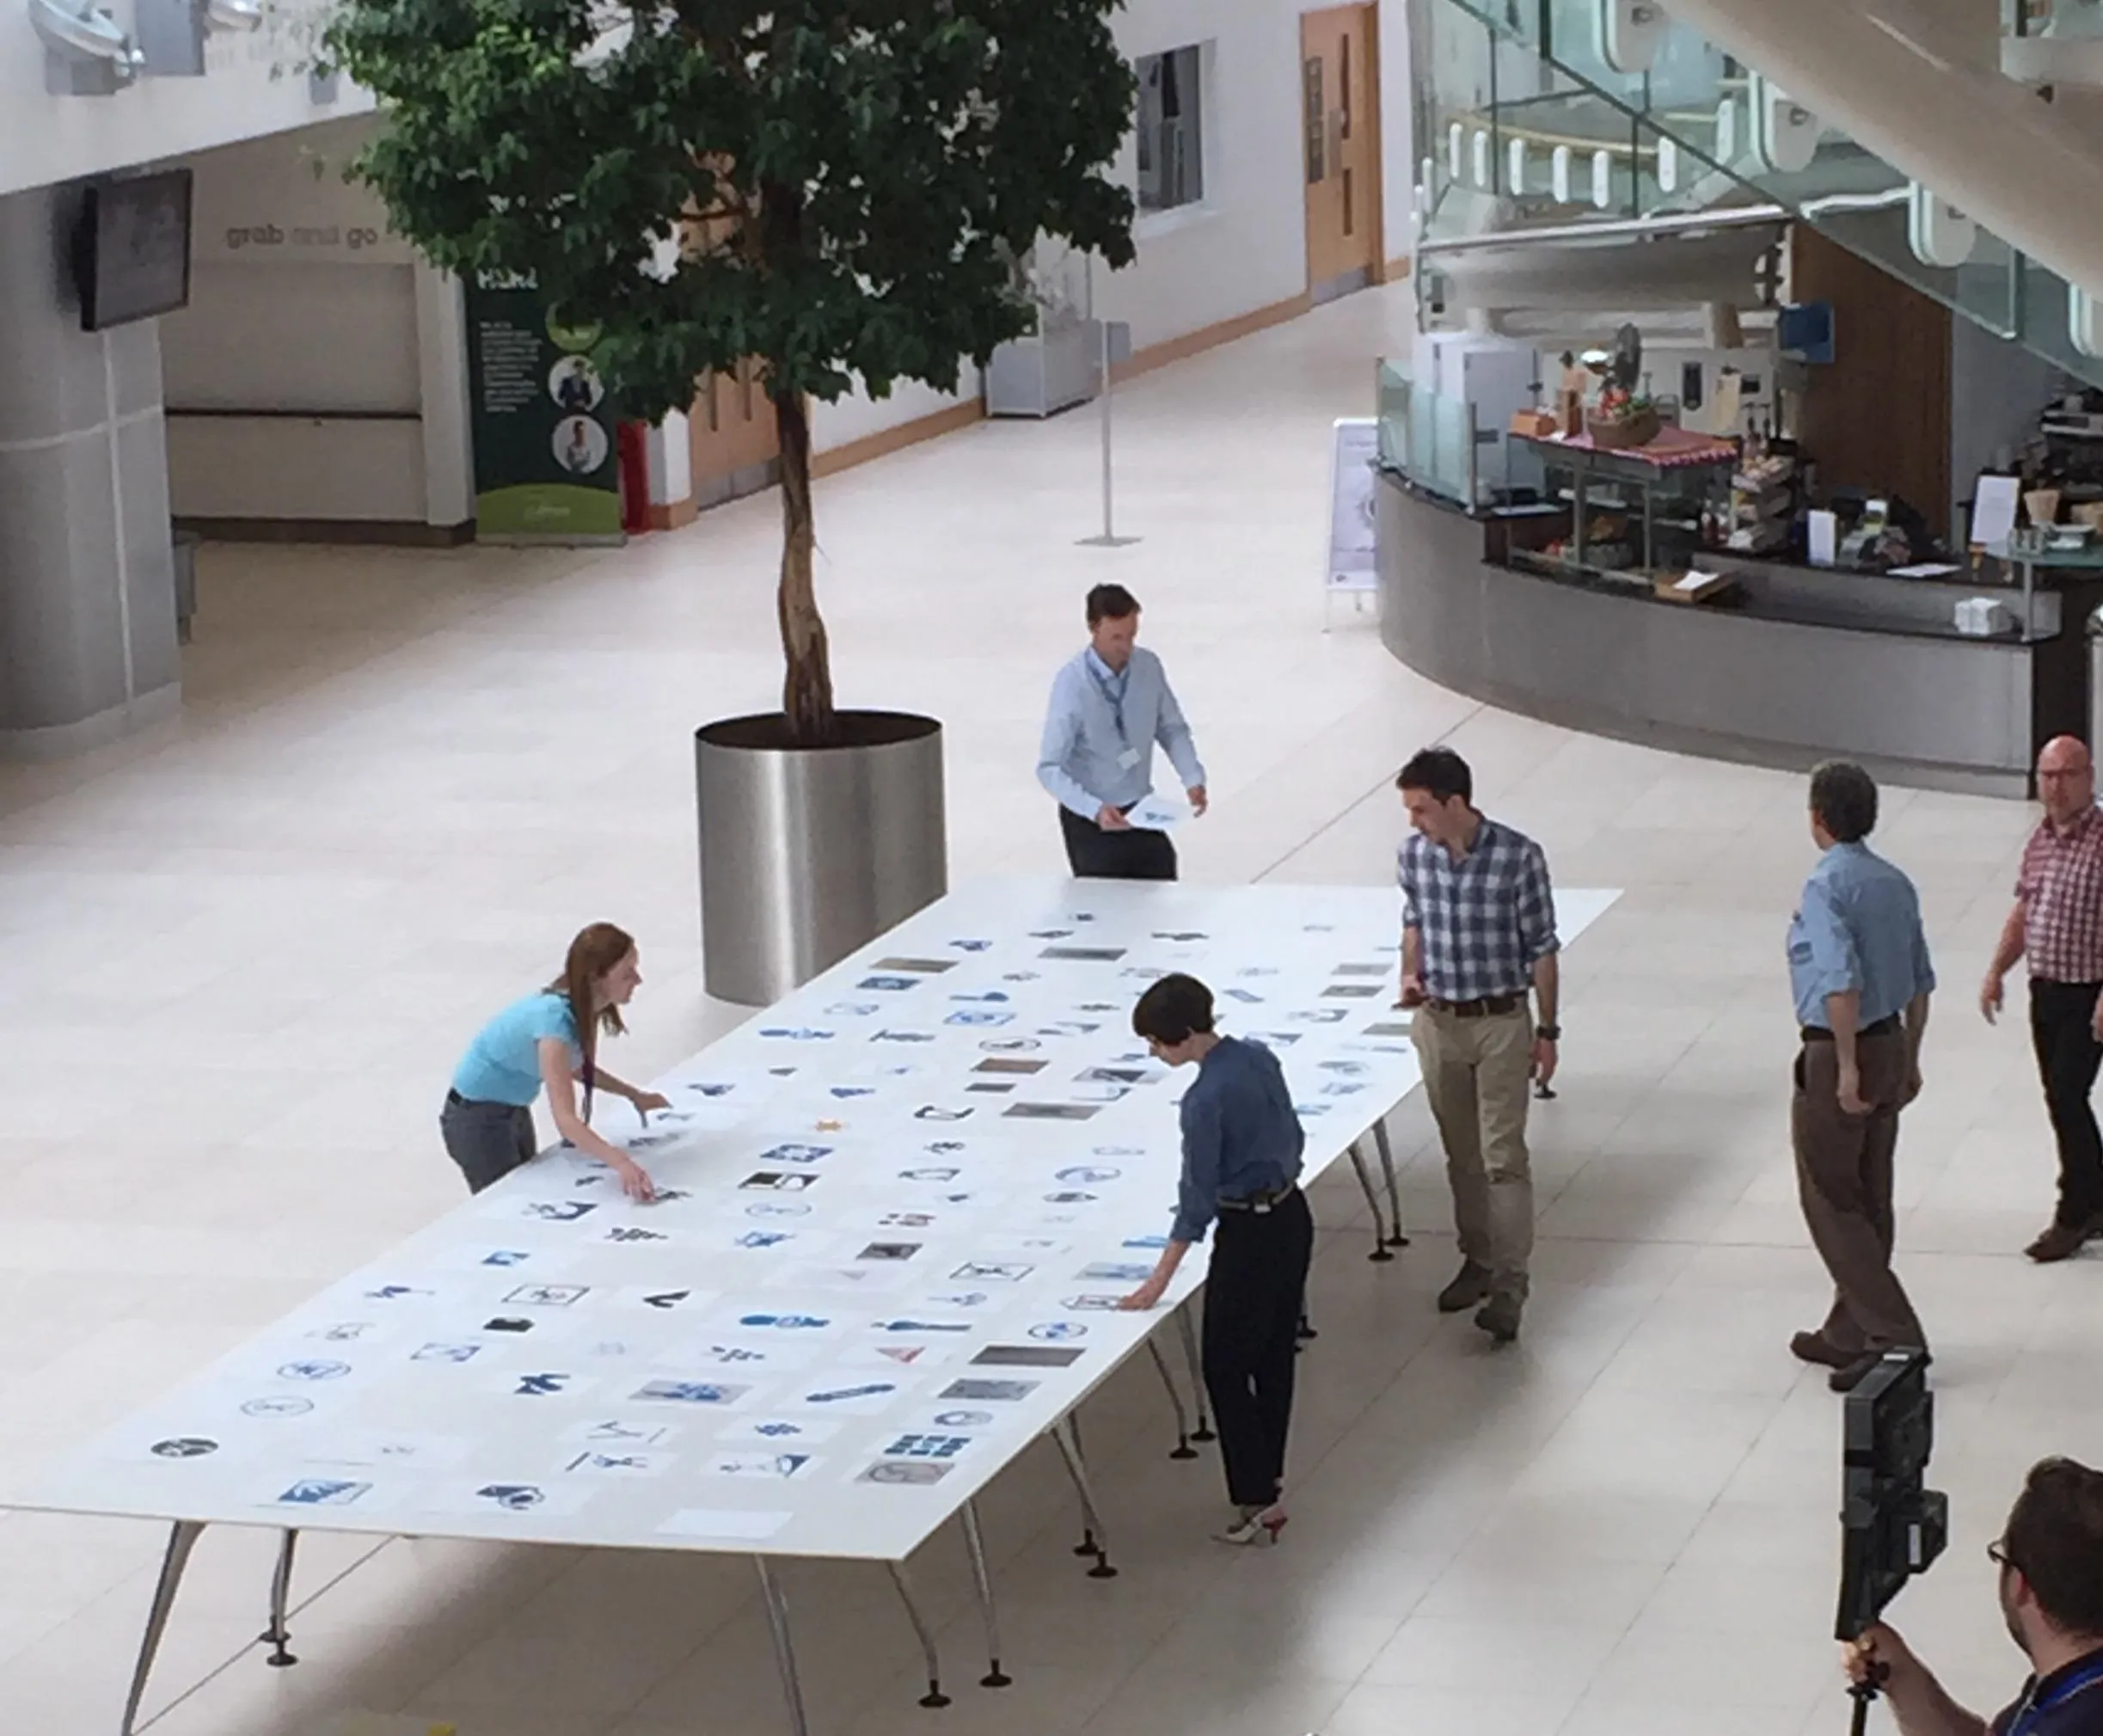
[{"x": 1796, "y": 665}]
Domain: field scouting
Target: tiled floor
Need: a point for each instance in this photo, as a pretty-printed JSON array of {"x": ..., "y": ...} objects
[{"x": 236, "y": 961}]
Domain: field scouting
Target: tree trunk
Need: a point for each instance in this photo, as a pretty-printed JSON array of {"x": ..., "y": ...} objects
[{"x": 806, "y": 686}]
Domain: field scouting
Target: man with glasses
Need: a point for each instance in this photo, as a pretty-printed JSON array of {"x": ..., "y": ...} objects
[
  {"x": 2050, "y": 1562},
  {"x": 2057, "y": 923},
  {"x": 1110, "y": 705}
]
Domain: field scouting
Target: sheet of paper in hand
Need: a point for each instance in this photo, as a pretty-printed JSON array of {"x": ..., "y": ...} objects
[{"x": 1157, "y": 813}]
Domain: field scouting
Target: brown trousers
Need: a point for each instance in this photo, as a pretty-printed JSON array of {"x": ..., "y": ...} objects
[{"x": 1844, "y": 1175}]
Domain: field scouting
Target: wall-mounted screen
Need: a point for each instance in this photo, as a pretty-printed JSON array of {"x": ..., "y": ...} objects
[{"x": 134, "y": 256}]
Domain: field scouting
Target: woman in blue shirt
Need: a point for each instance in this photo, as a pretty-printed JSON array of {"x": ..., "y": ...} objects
[
  {"x": 1242, "y": 1146},
  {"x": 549, "y": 1039}
]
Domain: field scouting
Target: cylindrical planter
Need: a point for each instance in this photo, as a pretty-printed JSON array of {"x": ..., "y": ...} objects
[{"x": 807, "y": 853}]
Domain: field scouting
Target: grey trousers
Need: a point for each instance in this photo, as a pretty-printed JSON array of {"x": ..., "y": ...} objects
[{"x": 486, "y": 1140}]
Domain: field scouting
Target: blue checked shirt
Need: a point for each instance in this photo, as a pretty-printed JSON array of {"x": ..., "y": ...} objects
[{"x": 1486, "y": 920}]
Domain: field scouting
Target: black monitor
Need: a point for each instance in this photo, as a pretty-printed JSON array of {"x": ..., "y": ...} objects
[{"x": 132, "y": 257}]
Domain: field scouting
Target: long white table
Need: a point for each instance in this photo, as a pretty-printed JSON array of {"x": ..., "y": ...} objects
[{"x": 899, "y": 1209}]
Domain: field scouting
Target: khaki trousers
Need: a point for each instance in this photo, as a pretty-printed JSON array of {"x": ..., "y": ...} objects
[
  {"x": 1478, "y": 1074},
  {"x": 1844, "y": 1176}
]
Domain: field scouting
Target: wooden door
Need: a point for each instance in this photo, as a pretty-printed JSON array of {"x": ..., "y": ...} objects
[
  {"x": 734, "y": 442},
  {"x": 1340, "y": 86},
  {"x": 733, "y": 445}
]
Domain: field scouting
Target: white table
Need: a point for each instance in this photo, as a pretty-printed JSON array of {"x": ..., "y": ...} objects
[{"x": 900, "y": 1208}]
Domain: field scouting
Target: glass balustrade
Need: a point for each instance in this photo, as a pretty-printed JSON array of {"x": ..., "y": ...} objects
[
  {"x": 1430, "y": 439},
  {"x": 1526, "y": 122}
]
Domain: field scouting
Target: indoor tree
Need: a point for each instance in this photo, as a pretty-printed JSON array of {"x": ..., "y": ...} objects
[{"x": 836, "y": 188}]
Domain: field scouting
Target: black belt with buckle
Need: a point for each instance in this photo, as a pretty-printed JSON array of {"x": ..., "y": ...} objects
[
  {"x": 1259, "y": 1203},
  {"x": 1490, "y": 1006},
  {"x": 1883, "y": 1028}
]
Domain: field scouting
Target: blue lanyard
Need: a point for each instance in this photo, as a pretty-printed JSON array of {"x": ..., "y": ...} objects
[
  {"x": 1113, "y": 690},
  {"x": 2027, "y": 1716}
]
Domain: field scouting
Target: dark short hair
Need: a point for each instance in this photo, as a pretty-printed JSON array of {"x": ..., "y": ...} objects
[
  {"x": 1111, "y": 603},
  {"x": 1440, "y": 772},
  {"x": 2055, "y": 1540},
  {"x": 1844, "y": 798},
  {"x": 1173, "y": 1010}
]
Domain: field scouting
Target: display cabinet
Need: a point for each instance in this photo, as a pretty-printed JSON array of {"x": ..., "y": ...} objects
[{"x": 1635, "y": 513}]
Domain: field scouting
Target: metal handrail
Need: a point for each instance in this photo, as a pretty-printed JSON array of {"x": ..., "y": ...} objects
[{"x": 1681, "y": 223}]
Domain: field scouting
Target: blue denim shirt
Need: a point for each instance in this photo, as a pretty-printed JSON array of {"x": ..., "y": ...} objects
[
  {"x": 1858, "y": 927},
  {"x": 1240, "y": 1134}
]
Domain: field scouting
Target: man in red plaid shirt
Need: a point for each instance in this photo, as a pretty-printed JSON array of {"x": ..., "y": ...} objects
[{"x": 2058, "y": 922}]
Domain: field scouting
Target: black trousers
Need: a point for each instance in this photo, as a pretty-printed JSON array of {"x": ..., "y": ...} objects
[
  {"x": 1252, "y": 1318},
  {"x": 486, "y": 1140},
  {"x": 2062, "y": 1028},
  {"x": 1095, "y": 854}
]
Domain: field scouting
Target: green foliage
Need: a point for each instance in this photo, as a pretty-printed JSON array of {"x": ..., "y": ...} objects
[{"x": 874, "y": 165}]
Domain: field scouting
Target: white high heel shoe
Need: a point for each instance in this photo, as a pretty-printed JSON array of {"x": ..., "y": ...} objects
[{"x": 1262, "y": 1526}]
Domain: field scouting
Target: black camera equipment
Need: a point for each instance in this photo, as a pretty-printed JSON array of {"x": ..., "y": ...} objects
[{"x": 1892, "y": 1526}]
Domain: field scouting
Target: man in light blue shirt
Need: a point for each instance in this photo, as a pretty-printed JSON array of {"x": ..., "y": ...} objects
[
  {"x": 1859, "y": 973},
  {"x": 1109, "y": 706}
]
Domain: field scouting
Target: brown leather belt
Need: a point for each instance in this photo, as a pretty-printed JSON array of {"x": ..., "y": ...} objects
[{"x": 1490, "y": 1006}]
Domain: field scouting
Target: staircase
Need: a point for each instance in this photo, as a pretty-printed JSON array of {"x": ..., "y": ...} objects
[{"x": 1599, "y": 119}]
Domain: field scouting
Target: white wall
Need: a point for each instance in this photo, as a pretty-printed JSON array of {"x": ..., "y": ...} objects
[
  {"x": 858, "y": 415},
  {"x": 1244, "y": 246},
  {"x": 250, "y": 87},
  {"x": 315, "y": 373}
]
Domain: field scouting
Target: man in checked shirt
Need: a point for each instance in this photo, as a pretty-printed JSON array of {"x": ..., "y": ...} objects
[
  {"x": 2059, "y": 922},
  {"x": 1478, "y": 932}
]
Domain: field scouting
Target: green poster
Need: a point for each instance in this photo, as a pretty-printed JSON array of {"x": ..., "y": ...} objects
[{"x": 546, "y": 467}]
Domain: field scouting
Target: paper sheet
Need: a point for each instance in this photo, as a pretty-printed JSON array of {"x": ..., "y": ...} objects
[
  {"x": 1158, "y": 813},
  {"x": 1824, "y": 537},
  {"x": 1993, "y": 509}
]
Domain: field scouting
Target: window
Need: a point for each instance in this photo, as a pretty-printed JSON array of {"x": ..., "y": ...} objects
[{"x": 1171, "y": 131}]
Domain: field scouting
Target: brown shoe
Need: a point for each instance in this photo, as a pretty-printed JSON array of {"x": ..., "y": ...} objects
[
  {"x": 2061, "y": 1241},
  {"x": 1470, "y": 1285},
  {"x": 1815, "y": 1347}
]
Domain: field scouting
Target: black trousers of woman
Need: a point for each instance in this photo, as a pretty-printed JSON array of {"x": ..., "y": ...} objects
[{"x": 1252, "y": 1317}]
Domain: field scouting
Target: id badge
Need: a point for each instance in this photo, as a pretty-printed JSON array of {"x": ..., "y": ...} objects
[{"x": 1129, "y": 759}]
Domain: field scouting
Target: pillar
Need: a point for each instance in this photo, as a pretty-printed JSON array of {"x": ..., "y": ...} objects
[{"x": 87, "y": 646}]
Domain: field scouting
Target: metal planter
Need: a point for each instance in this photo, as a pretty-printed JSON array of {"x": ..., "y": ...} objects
[{"x": 807, "y": 853}]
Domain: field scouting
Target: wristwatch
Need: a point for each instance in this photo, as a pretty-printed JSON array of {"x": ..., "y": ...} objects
[{"x": 1549, "y": 1034}]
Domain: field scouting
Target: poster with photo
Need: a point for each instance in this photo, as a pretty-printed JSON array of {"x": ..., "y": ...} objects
[{"x": 546, "y": 465}]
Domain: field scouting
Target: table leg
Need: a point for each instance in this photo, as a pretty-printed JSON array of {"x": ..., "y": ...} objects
[
  {"x": 181, "y": 1541},
  {"x": 933, "y": 1696},
  {"x": 1372, "y": 1204},
  {"x": 1395, "y": 1238},
  {"x": 1088, "y": 1545},
  {"x": 1188, "y": 1334},
  {"x": 1184, "y": 1449},
  {"x": 982, "y": 1581},
  {"x": 784, "y": 1649},
  {"x": 1070, "y": 1449},
  {"x": 277, "y": 1634}
]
